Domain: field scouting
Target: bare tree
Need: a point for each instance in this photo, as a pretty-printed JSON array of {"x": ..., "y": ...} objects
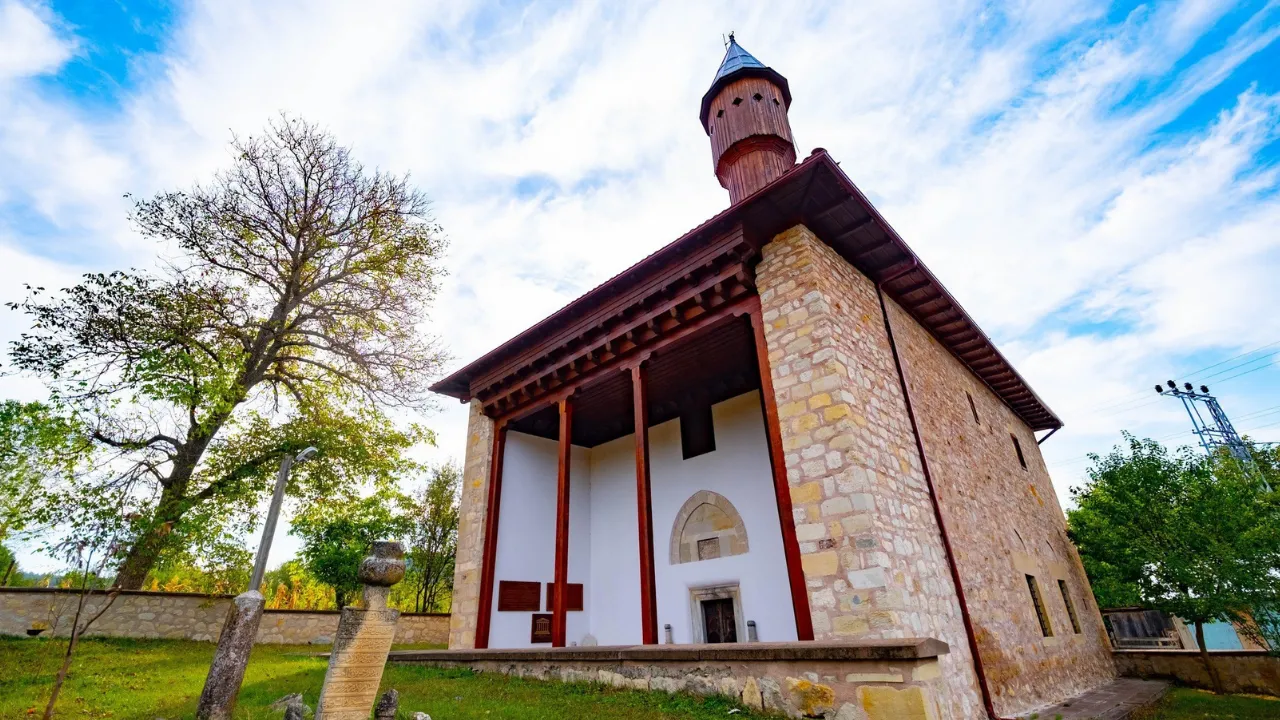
[{"x": 285, "y": 315}]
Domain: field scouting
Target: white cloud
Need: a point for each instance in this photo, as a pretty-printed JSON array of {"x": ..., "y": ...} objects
[
  {"x": 994, "y": 138},
  {"x": 29, "y": 44}
]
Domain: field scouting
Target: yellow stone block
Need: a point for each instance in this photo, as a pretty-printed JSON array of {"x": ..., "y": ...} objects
[
  {"x": 835, "y": 412},
  {"x": 927, "y": 671},
  {"x": 846, "y": 625},
  {"x": 835, "y": 529},
  {"x": 812, "y": 698},
  {"x": 871, "y": 677},
  {"x": 806, "y": 493},
  {"x": 791, "y": 409},
  {"x": 818, "y": 564},
  {"x": 819, "y": 400},
  {"x": 806, "y": 423},
  {"x": 886, "y": 703}
]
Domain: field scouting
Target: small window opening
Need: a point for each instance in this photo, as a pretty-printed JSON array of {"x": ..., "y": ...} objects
[
  {"x": 757, "y": 97},
  {"x": 720, "y": 113},
  {"x": 1071, "y": 609},
  {"x": 1017, "y": 446},
  {"x": 1041, "y": 615},
  {"x": 973, "y": 408},
  {"x": 775, "y": 101},
  {"x": 737, "y": 101},
  {"x": 697, "y": 432}
]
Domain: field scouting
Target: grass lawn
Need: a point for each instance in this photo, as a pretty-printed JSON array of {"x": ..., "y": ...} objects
[
  {"x": 1187, "y": 703},
  {"x": 147, "y": 679}
]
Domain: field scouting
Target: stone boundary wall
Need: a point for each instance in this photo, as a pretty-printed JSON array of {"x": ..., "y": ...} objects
[
  {"x": 1241, "y": 671},
  {"x": 187, "y": 616},
  {"x": 866, "y": 680}
]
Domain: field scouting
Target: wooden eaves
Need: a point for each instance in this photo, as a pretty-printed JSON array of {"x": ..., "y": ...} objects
[{"x": 714, "y": 263}]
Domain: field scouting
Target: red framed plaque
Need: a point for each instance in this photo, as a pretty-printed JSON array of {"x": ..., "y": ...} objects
[
  {"x": 519, "y": 596},
  {"x": 574, "y": 601},
  {"x": 540, "y": 629}
]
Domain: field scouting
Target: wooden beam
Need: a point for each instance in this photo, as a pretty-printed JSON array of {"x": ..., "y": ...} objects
[
  {"x": 677, "y": 332},
  {"x": 490, "y": 552},
  {"x": 644, "y": 505},
  {"x": 781, "y": 488},
  {"x": 558, "y": 617}
]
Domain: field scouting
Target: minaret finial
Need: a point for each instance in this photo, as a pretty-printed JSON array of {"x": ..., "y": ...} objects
[{"x": 731, "y": 40}]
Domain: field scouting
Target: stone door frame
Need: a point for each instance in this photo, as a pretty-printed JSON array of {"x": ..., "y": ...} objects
[{"x": 719, "y": 591}]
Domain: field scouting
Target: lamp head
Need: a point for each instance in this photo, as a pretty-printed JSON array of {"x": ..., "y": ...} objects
[{"x": 306, "y": 455}]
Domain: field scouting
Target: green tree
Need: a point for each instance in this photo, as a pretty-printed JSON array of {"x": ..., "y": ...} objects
[
  {"x": 337, "y": 535},
  {"x": 285, "y": 314},
  {"x": 1192, "y": 536},
  {"x": 8, "y": 566},
  {"x": 433, "y": 538}
]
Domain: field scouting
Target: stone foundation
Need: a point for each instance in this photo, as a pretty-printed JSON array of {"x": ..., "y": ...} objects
[
  {"x": 1242, "y": 671},
  {"x": 187, "y": 616},
  {"x": 868, "y": 680}
]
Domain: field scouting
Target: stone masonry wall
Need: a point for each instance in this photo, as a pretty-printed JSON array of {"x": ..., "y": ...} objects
[
  {"x": 888, "y": 687},
  {"x": 185, "y": 616},
  {"x": 472, "y": 507},
  {"x": 870, "y": 547},
  {"x": 1004, "y": 523},
  {"x": 1241, "y": 671}
]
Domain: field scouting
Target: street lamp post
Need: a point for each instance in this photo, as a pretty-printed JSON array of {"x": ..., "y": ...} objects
[{"x": 241, "y": 628}]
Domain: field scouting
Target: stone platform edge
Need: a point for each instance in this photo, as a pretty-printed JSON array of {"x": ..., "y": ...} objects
[
  {"x": 864, "y": 650},
  {"x": 867, "y": 679}
]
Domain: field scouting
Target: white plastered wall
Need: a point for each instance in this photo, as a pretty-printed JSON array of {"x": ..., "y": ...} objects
[
  {"x": 603, "y": 551},
  {"x": 527, "y": 532}
]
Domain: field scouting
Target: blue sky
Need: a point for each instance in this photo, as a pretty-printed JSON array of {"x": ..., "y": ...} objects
[{"x": 1096, "y": 183}]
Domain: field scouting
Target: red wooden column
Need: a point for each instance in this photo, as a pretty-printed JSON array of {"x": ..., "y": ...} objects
[
  {"x": 490, "y": 552},
  {"x": 644, "y": 505},
  {"x": 558, "y": 616},
  {"x": 781, "y": 488}
]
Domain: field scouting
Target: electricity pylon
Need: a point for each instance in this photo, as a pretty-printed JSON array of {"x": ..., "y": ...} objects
[{"x": 1214, "y": 432}]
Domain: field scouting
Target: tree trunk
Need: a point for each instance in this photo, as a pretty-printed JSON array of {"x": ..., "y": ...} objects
[
  {"x": 145, "y": 551},
  {"x": 1204, "y": 655}
]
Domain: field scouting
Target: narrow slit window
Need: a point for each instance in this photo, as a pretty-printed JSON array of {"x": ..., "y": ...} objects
[
  {"x": 697, "y": 432},
  {"x": 737, "y": 101},
  {"x": 973, "y": 408},
  {"x": 1017, "y": 446},
  {"x": 1071, "y": 609},
  {"x": 757, "y": 97},
  {"x": 1045, "y": 628}
]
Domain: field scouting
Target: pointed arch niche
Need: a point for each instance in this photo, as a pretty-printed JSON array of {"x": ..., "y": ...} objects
[{"x": 708, "y": 526}]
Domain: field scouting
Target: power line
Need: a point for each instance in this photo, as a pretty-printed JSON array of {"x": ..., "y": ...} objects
[{"x": 1194, "y": 375}]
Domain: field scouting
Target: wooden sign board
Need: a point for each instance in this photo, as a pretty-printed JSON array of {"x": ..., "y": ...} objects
[
  {"x": 540, "y": 631},
  {"x": 575, "y": 596},
  {"x": 518, "y": 596}
]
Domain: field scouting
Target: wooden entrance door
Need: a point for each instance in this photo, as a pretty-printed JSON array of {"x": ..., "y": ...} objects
[{"x": 719, "y": 621}]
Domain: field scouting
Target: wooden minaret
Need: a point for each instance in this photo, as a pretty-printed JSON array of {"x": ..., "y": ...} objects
[{"x": 745, "y": 115}]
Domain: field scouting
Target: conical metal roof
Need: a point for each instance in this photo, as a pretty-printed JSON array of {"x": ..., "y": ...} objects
[
  {"x": 739, "y": 63},
  {"x": 735, "y": 58}
]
